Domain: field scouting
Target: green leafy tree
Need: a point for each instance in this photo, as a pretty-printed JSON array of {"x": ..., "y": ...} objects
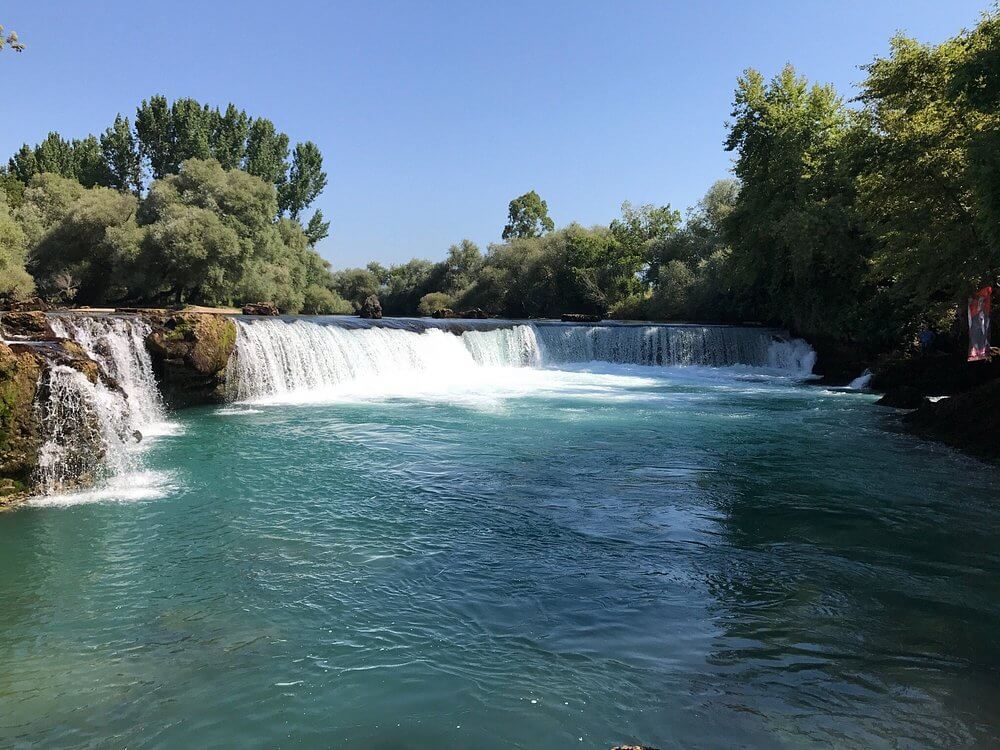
[
  {"x": 355, "y": 284},
  {"x": 799, "y": 247},
  {"x": 930, "y": 184},
  {"x": 192, "y": 126},
  {"x": 317, "y": 229},
  {"x": 527, "y": 216},
  {"x": 15, "y": 282},
  {"x": 433, "y": 301},
  {"x": 96, "y": 241},
  {"x": 47, "y": 199},
  {"x": 318, "y": 300},
  {"x": 306, "y": 180},
  {"x": 194, "y": 254},
  {"x": 229, "y": 137},
  {"x": 120, "y": 150},
  {"x": 267, "y": 152},
  {"x": 155, "y": 132}
]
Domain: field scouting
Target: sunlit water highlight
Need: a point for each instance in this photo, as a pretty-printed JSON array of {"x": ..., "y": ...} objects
[{"x": 572, "y": 554}]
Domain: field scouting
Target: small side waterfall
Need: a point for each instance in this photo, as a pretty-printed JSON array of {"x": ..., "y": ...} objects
[
  {"x": 86, "y": 429},
  {"x": 118, "y": 345},
  {"x": 90, "y": 429},
  {"x": 275, "y": 357}
]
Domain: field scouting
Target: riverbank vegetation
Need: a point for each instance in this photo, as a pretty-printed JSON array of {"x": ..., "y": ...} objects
[
  {"x": 847, "y": 221},
  {"x": 187, "y": 204}
]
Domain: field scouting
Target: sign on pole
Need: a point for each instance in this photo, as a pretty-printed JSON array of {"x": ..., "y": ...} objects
[{"x": 979, "y": 324}]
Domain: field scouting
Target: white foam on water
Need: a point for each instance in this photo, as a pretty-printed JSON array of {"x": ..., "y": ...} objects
[
  {"x": 861, "y": 382},
  {"x": 125, "y": 488},
  {"x": 279, "y": 362}
]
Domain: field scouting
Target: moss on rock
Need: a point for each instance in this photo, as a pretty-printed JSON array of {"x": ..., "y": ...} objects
[
  {"x": 19, "y": 429},
  {"x": 190, "y": 352}
]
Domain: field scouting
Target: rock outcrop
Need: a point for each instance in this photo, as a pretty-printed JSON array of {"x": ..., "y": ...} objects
[
  {"x": 20, "y": 433},
  {"x": 260, "y": 308},
  {"x": 190, "y": 352},
  {"x": 969, "y": 421},
  {"x": 32, "y": 326},
  {"x": 445, "y": 313},
  {"x": 902, "y": 397},
  {"x": 371, "y": 308}
]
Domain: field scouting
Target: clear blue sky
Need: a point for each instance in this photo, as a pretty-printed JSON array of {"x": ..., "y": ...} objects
[{"x": 432, "y": 116}]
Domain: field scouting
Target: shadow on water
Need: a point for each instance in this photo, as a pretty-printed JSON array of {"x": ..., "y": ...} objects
[{"x": 865, "y": 589}]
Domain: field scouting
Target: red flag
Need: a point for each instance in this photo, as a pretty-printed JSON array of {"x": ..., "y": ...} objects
[{"x": 979, "y": 324}]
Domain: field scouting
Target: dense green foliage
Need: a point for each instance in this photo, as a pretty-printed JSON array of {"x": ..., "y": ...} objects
[
  {"x": 527, "y": 216},
  {"x": 191, "y": 205}
]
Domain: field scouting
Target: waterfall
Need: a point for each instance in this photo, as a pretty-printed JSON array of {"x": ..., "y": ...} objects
[
  {"x": 86, "y": 428},
  {"x": 273, "y": 356},
  {"x": 673, "y": 346},
  {"x": 90, "y": 429},
  {"x": 278, "y": 357},
  {"x": 118, "y": 345}
]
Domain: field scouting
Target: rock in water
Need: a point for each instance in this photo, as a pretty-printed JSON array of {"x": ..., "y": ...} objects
[
  {"x": 31, "y": 304},
  {"x": 371, "y": 308},
  {"x": 190, "y": 352},
  {"x": 443, "y": 313},
  {"x": 969, "y": 421},
  {"x": 260, "y": 308},
  {"x": 476, "y": 313},
  {"x": 32, "y": 326},
  {"x": 580, "y": 318},
  {"x": 902, "y": 397}
]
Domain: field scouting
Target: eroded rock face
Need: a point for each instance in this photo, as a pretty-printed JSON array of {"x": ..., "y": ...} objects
[
  {"x": 371, "y": 308},
  {"x": 20, "y": 433},
  {"x": 26, "y": 325},
  {"x": 190, "y": 352},
  {"x": 260, "y": 308}
]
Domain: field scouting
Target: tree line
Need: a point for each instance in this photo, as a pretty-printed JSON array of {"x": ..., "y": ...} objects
[
  {"x": 187, "y": 204},
  {"x": 850, "y": 221}
]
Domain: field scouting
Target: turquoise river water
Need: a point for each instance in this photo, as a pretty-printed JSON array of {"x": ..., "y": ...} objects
[{"x": 507, "y": 551}]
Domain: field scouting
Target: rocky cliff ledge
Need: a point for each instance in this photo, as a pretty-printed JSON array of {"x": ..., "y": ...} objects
[
  {"x": 28, "y": 349},
  {"x": 190, "y": 352}
]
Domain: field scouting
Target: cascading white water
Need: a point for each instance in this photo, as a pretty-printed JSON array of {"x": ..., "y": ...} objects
[
  {"x": 673, "y": 346},
  {"x": 118, "y": 346},
  {"x": 275, "y": 357},
  {"x": 90, "y": 429},
  {"x": 87, "y": 430}
]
